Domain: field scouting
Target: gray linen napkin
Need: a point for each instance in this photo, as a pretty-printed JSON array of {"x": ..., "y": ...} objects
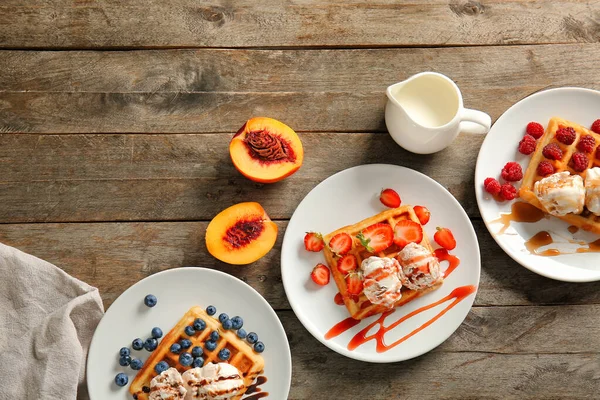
[{"x": 47, "y": 319}]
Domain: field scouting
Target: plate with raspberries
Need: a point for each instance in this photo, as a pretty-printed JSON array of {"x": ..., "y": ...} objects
[
  {"x": 183, "y": 320},
  {"x": 537, "y": 183},
  {"x": 380, "y": 263}
]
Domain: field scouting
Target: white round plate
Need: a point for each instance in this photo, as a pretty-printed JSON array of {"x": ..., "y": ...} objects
[
  {"x": 346, "y": 198},
  {"x": 579, "y": 105},
  {"x": 177, "y": 290}
]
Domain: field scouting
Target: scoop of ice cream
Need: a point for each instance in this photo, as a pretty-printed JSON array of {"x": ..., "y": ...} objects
[
  {"x": 592, "y": 190},
  {"x": 420, "y": 267},
  {"x": 561, "y": 193},
  {"x": 382, "y": 280},
  {"x": 167, "y": 386},
  {"x": 213, "y": 381}
]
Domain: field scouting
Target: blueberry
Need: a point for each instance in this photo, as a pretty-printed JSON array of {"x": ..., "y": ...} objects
[
  {"x": 186, "y": 359},
  {"x": 185, "y": 343},
  {"x": 150, "y": 344},
  {"x": 189, "y": 330},
  {"x": 156, "y": 333},
  {"x": 211, "y": 310},
  {"x": 214, "y": 336},
  {"x": 223, "y": 317},
  {"x": 238, "y": 322},
  {"x": 175, "y": 348},
  {"x": 199, "y": 325},
  {"x": 210, "y": 345},
  {"x": 198, "y": 362},
  {"x": 124, "y": 361},
  {"x": 224, "y": 354},
  {"x": 161, "y": 367},
  {"x": 252, "y": 338},
  {"x": 136, "y": 364},
  {"x": 227, "y": 324},
  {"x": 197, "y": 351},
  {"x": 121, "y": 379},
  {"x": 241, "y": 333},
  {"x": 124, "y": 351},
  {"x": 259, "y": 347},
  {"x": 137, "y": 344},
  {"x": 150, "y": 300}
]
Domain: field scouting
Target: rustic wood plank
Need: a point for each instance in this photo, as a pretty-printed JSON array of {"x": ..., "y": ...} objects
[
  {"x": 442, "y": 374},
  {"x": 57, "y": 178},
  {"x": 223, "y": 23},
  {"x": 217, "y": 90},
  {"x": 113, "y": 256}
]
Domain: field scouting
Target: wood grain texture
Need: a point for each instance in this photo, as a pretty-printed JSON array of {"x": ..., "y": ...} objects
[
  {"x": 198, "y": 91},
  {"x": 113, "y": 256},
  {"x": 58, "y": 178},
  {"x": 226, "y": 23}
]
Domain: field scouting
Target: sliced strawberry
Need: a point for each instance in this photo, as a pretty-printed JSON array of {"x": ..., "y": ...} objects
[
  {"x": 407, "y": 231},
  {"x": 341, "y": 243},
  {"x": 390, "y": 198},
  {"x": 320, "y": 275},
  {"x": 377, "y": 237},
  {"x": 423, "y": 214},
  {"x": 444, "y": 238},
  {"x": 313, "y": 241},
  {"x": 347, "y": 264},
  {"x": 354, "y": 284}
]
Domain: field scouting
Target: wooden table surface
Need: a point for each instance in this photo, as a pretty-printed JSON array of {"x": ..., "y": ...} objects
[{"x": 115, "y": 119}]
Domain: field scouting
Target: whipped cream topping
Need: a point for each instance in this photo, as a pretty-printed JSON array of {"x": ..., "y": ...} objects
[
  {"x": 167, "y": 386},
  {"x": 561, "y": 193},
  {"x": 420, "y": 267},
  {"x": 592, "y": 190},
  {"x": 382, "y": 280},
  {"x": 213, "y": 381}
]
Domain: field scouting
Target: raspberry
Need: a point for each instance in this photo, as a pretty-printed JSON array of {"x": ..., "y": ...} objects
[
  {"x": 508, "y": 191},
  {"x": 512, "y": 172},
  {"x": 580, "y": 162},
  {"x": 552, "y": 151},
  {"x": 535, "y": 129},
  {"x": 492, "y": 186},
  {"x": 527, "y": 145},
  {"x": 566, "y": 135},
  {"x": 545, "y": 168},
  {"x": 596, "y": 126},
  {"x": 586, "y": 144}
]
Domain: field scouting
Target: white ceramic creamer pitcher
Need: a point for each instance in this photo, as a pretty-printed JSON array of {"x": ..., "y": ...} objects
[{"x": 424, "y": 113}]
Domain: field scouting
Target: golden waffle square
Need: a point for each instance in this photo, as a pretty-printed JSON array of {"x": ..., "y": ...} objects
[
  {"x": 586, "y": 220},
  {"x": 360, "y": 307},
  {"x": 243, "y": 357}
]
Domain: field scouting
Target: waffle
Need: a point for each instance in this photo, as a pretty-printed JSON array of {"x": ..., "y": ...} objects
[
  {"x": 243, "y": 357},
  {"x": 360, "y": 307},
  {"x": 586, "y": 220}
]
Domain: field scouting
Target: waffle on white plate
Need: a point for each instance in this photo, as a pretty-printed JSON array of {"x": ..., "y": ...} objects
[
  {"x": 586, "y": 220},
  {"x": 243, "y": 357},
  {"x": 359, "y": 306}
]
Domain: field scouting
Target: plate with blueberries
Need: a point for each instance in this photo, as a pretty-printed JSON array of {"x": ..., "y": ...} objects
[{"x": 187, "y": 330}]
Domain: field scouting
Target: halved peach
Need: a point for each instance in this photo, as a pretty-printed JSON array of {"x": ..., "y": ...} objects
[
  {"x": 241, "y": 234},
  {"x": 266, "y": 150}
]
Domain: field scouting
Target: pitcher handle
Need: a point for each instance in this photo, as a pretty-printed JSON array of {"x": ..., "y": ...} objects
[{"x": 478, "y": 122}]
